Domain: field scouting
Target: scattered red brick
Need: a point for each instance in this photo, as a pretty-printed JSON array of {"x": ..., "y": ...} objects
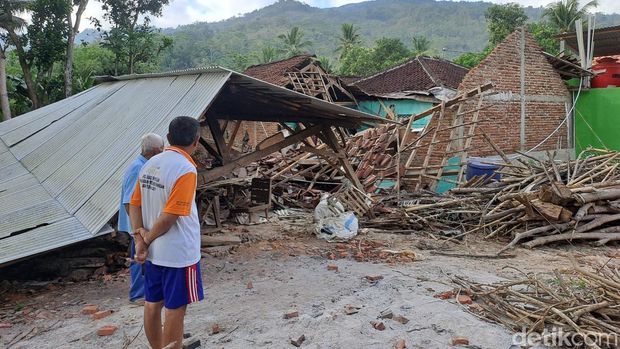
[
  {"x": 107, "y": 330},
  {"x": 400, "y": 344},
  {"x": 351, "y": 309},
  {"x": 102, "y": 314},
  {"x": 403, "y": 320},
  {"x": 249, "y": 286},
  {"x": 331, "y": 256},
  {"x": 90, "y": 309},
  {"x": 373, "y": 278},
  {"x": 464, "y": 299},
  {"x": 476, "y": 308},
  {"x": 459, "y": 341},
  {"x": 297, "y": 342},
  {"x": 5, "y": 325},
  {"x": 215, "y": 329},
  {"x": 291, "y": 314},
  {"x": 343, "y": 254},
  {"x": 445, "y": 295},
  {"x": 332, "y": 267},
  {"x": 378, "y": 325}
]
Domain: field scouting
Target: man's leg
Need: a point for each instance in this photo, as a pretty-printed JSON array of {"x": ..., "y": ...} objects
[
  {"x": 136, "y": 290},
  {"x": 173, "y": 326},
  {"x": 152, "y": 323},
  {"x": 154, "y": 302}
]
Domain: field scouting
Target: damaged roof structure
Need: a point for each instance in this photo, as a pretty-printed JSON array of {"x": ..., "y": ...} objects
[
  {"x": 61, "y": 165},
  {"x": 302, "y": 73},
  {"x": 423, "y": 78}
]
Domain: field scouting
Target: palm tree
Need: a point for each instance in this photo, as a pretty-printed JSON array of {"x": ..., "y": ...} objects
[
  {"x": 10, "y": 23},
  {"x": 326, "y": 64},
  {"x": 349, "y": 37},
  {"x": 268, "y": 54},
  {"x": 293, "y": 42},
  {"x": 564, "y": 13},
  {"x": 421, "y": 45}
]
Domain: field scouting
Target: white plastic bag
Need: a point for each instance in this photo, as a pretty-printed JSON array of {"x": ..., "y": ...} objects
[{"x": 332, "y": 222}]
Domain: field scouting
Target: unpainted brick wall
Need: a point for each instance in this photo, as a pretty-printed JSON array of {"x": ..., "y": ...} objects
[
  {"x": 500, "y": 117},
  {"x": 502, "y": 121}
]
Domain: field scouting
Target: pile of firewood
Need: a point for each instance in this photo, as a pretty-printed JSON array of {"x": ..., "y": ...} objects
[
  {"x": 576, "y": 304},
  {"x": 535, "y": 203}
]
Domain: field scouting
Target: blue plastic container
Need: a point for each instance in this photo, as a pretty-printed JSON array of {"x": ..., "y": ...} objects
[{"x": 475, "y": 167}]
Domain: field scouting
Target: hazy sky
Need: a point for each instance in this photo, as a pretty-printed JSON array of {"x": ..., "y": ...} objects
[{"x": 189, "y": 11}]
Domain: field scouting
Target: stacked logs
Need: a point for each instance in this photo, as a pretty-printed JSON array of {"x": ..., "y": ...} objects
[{"x": 575, "y": 304}]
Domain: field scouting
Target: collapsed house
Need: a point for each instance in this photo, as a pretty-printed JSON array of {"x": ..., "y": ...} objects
[
  {"x": 514, "y": 100},
  {"x": 61, "y": 165},
  {"x": 408, "y": 88}
]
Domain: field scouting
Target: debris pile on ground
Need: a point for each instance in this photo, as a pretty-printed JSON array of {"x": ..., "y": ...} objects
[
  {"x": 536, "y": 202},
  {"x": 576, "y": 304}
]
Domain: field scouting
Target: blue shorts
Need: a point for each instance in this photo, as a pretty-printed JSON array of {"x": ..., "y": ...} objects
[{"x": 175, "y": 286}]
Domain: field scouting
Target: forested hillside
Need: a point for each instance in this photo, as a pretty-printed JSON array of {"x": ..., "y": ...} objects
[{"x": 457, "y": 26}]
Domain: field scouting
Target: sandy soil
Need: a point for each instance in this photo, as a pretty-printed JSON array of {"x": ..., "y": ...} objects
[{"x": 287, "y": 267}]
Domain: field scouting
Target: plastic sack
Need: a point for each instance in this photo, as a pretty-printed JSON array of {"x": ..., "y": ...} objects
[{"x": 332, "y": 222}]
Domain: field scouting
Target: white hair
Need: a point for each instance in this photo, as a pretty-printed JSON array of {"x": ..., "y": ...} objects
[{"x": 150, "y": 142}]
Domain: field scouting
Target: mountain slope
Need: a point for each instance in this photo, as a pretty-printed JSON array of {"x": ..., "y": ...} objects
[{"x": 456, "y": 26}]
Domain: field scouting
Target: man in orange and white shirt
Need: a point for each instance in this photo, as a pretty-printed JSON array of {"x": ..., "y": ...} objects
[{"x": 165, "y": 223}]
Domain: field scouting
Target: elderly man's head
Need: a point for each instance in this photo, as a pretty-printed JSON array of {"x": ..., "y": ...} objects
[{"x": 152, "y": 144}]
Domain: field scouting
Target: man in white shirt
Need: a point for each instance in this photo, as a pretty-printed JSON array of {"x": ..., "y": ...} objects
[{"x": 164, "y": 219}]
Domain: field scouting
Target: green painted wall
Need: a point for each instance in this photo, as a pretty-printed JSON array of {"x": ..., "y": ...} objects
[
  {"x": 597, "y": 119},
  {"x": 402, "y": 107}
]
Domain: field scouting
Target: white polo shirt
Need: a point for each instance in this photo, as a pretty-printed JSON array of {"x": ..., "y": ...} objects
[{"x": 167, "y": 183}]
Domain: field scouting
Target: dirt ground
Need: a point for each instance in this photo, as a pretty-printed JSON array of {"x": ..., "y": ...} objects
[{"x": 287, "y": 267}]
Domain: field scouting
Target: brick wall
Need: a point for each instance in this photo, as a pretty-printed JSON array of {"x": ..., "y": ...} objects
[
  {"x": 501, "y": 114},
  {"x": 501, "y": 122}
]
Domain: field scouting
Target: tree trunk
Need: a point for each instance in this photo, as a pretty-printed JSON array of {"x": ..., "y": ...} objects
[
  {"x": 4, "y": 93},
  {"x": 21, "y": 55},
  {"x": 73, "y": 30}
]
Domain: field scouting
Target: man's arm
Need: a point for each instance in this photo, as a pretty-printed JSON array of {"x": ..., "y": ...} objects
[
  {"x": 164, "y": 222},
  {"x": 135, "y": 217}
]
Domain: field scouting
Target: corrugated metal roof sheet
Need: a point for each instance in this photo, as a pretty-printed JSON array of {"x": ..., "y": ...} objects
[{"x": 61, "y": 165}]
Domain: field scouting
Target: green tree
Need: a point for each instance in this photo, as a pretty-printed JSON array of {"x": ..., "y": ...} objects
[
  {"x": 348, "y": 38},
  {"x": 132, "y": 42},
  {"x": 11, "y": 24},
  {"x": 358, "y": 61},
  {"x": 544, "y": 33},
  {"x": 472, "y": 59},
  {"x": 362, "y": 61},
  {"x": 564, "y": 13},
  {"x": 268, "y": 54},
  {"x": 47, "y": 37},
  {"x": 421, "y": 45},
  {"x": 390, "y": 51},
  {"x": 293, "y": 42},
  {"x": 90, "y": 61},
  {"x": 503, "y": 20},
  {"x": 73, "y": 27},
  {"x": 326, "y": 64}
]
